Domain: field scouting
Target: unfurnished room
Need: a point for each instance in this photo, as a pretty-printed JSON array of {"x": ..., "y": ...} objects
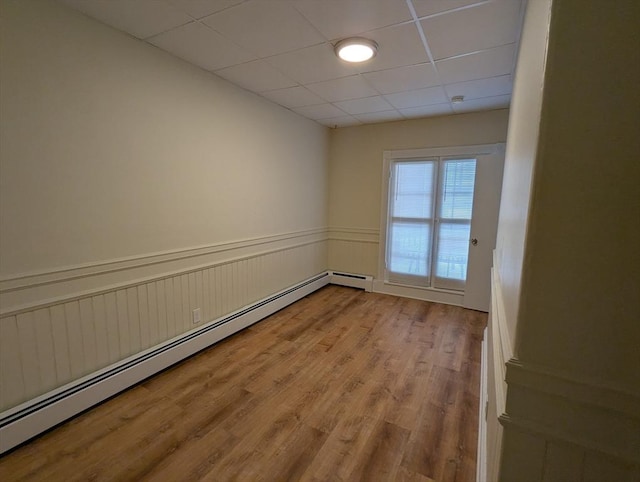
[{"x": 320, "y": 240}]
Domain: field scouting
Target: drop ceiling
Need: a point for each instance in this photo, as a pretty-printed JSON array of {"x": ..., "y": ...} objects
[{"x": 429, "y": 51}]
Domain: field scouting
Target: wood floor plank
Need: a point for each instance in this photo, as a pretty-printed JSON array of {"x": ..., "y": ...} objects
[
  {"x": 381, "y": 457},
  {"x": 200, "y": 443},
  {"x": 410, "y": 390},
  {"x": 405, "y": 475},
  {"x": 293, "y": 457},
  {"x": 424, "y": 453},
  {"x": 342, "y": 385},
  {"x": 339, "y": 456}
]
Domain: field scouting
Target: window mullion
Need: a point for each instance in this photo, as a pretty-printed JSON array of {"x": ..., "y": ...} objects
[
  {"x": 454, "y": 220},
  {"x": 398, "y": 219},
  {"x": 436, "y": 219}
]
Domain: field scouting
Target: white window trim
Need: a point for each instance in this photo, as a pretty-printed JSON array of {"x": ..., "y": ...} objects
[{"x": 407, "y": 154}]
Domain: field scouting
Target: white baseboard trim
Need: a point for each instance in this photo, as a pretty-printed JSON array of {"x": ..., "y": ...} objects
[
  {"x": 424, "y": 294},
  {"x": 31, "y": 418},
  {"x": 500, "y": 343},
  {"x": 481, "y": 466},
  {"x": 353, "y": 280}
]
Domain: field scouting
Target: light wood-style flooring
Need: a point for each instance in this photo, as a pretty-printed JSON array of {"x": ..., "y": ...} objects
[{"x": 341, "y": 386}]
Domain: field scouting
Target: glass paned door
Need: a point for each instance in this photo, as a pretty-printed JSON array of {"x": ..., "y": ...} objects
[
  {"x": 455, "y": 208},
  {"x": 429, "y": 222},
  {"x": 410, "y": 229}
]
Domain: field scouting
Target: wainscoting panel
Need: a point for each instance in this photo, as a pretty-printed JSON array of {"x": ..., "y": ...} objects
[
  {"x": 48, "y": 343},
  {"x": 534, "y": 456},
  {"x": 554, "y": 428},
  {"x": 31, "y": 418},
  {"x": 20, "y": 292},
  {"x": 354, "y": 250}
]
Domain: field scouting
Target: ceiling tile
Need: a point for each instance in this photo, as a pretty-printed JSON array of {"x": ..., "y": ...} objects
[
  {"x": 383, "y": 116},
  {"x": 475, "y": 89},
  {"x": 265, "y": 28},
  {"x": 202, "y": 8},
  {"x": 498, "y": 102},
  {"x": 404, "y": 100},
  {"x": 321, "y": 111},
  {"x": 431, "y": 7},
  {"x": 140, "y": 18},
  {"x": 472, "y": 29},
  {"x": 293, "y": 97},
  {"x": 403, "y": 78},
  {"x": 257, "y": 76},
  {"x": 364, "y": 105},
  {"x": 282, "y": 49},
  {"x": 202, "y": 46},
  {"x": 342, "y": 89},
  {"x": 337, "y": 19},
  {"x": 342, "y": 121},
  {"x": 312, "y": 64},
  {"x": 427, "y": 110},
  {"x": 397, "y": 46},
  {"x": 487, "y": 63}
]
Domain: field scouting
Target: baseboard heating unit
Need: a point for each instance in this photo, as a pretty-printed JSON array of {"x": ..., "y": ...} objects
[
  {"x": 25, "y": 421},
  {"x": 353, "y": 280}
]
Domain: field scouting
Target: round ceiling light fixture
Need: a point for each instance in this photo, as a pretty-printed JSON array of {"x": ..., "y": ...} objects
[{"x": 356, "y": 49}]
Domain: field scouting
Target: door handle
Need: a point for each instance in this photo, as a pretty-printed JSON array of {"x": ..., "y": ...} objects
[{"x": 474, "y": 241}]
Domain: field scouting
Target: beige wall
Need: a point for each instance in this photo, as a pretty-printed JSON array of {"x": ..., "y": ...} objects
[
  {"x": 134, "y": 188},
  {"x": 113, "y": 148},
  {"x": 567, "y": 288},
  {"x": 520, "y": 156},
  {"x": 581, "y": 297},
  {"x": 521, "y": 150},
  {"x": 356, "y": 158}
]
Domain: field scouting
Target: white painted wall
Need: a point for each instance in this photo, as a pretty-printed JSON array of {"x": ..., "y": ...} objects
[
  {"x": 356, "y": 159},
  {"x": 521, "y": 150},
  {"x": 112, "y": 148},
  {"x": 567, "y": 288},
  {"x": 580, "y": 303},
  {"x": 134, "y": 188}
]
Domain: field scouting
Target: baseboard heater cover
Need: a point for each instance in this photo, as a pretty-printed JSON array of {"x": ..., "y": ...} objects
[
  {"x": 21, "y": 423},
  {"x": 353, "y": 280}
]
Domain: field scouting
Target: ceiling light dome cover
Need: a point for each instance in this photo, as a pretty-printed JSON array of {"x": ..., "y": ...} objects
[{"x": 356, "y": 49}]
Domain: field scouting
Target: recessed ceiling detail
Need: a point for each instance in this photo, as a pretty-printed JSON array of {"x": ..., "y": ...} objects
[{"x": 428, "y": 51}]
